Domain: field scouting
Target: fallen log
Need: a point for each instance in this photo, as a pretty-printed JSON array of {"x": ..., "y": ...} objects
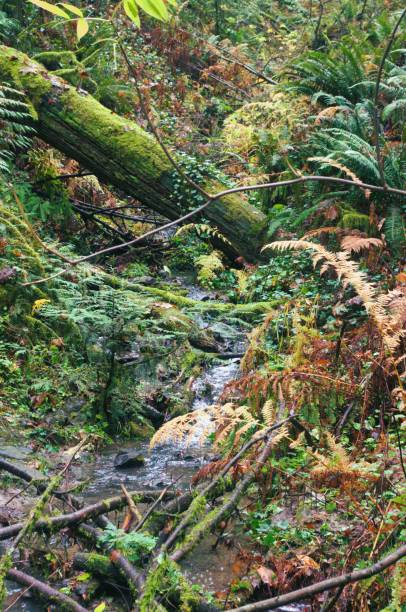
[
  {"x": 96, "y": 564},
  {"x": 45, "y": 590},
  {"x": 52, "y": 523},
  {"x": 325, "y": 585},
  {"x": 24, "y": 473},
  {"x": 119, "y": 152}
]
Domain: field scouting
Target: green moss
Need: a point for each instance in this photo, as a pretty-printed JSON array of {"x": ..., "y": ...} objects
[
  {"x": 121, "y": 137},
  {"x": 19, "y": 70},
  {"x": 53, "y": 60},
  {"x": 141, "y": 431},
  {"x": 253, "y": 308}
]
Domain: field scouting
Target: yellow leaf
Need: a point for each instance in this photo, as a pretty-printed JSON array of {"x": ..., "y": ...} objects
[
  {"x": 51, "y": 8},
  {"x": 73, "y": 9},
  {"x": 82, "y": 28},
  {"x": 38, "y": 304},
  {"x": 100, "y": 608},
  {"x": 132, "y": 11},
  {"x": 154, "y": 8}
]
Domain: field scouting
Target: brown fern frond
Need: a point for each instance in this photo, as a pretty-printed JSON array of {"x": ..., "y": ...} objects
[
  {"x": 268, "y": 412},
  {"x": 328, "y": 113},
  {"x": 324, "y": 230},
  {"x": 209, "y": 470},
  {"x": 377, "y": 306},
  {"x": 355, "y": 244}
]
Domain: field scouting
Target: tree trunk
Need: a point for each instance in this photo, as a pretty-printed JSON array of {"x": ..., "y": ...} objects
[{"x": 119, "y": 152}]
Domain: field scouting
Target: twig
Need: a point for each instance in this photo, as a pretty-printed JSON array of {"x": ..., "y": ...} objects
[
  {"x": 151, "y": 509},
  {"x": 20, "y": 595},
  {"x": 133, "y": 510},
  {"x": 326, "y": 585},
  {"x": 45, "y": 590}
]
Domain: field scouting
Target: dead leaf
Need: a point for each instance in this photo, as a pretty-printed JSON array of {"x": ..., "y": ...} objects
[{"x": 266, "y": 574}]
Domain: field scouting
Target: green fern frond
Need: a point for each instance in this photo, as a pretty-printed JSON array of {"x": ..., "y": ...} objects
[
  {"x": 16, "y": 125},
  {"x": 203, "y": 230},
  {"x": 394, "y": 229}
]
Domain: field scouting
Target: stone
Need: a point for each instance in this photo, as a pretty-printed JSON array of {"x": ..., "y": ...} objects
[{"x": 127, "y": 459}]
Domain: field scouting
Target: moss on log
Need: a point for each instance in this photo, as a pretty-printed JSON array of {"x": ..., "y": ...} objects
[
  {"x": 119, "y": 152},
  {"x": 252, "y": 308}
]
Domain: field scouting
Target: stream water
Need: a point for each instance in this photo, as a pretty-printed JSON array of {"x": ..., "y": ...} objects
[{"x": 207, "y": 565}]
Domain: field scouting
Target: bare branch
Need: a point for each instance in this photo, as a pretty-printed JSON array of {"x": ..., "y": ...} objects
[{"x": 326, "y": 585}]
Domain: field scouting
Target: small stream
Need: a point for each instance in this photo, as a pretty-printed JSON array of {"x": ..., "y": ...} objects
[{"x": 208, "y": 566}]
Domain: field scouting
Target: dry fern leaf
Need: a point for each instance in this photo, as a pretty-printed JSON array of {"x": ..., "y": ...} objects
[
  {"x": 328, "y": 113},
  {"x": 323, "y": 230},
  {"x": 355, "y": 244},
  {"x": 268, "y": 412},
  {"x": 378, "y": 307}
]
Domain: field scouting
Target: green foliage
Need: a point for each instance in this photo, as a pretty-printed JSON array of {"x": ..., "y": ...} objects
[
  {"x": 133, "y": 544},
  {"x": 8, "y": 27},
  {"x": 16, "y": 125},
  {"x": 394, "y": 229},
  {"x": 209, "y": 266}
]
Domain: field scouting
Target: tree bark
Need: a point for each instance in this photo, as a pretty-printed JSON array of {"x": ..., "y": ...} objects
[
  {"x": 52, "y": 523},
  {"x": 121, "y": 153},
  {"x": 45, "y": 591}
]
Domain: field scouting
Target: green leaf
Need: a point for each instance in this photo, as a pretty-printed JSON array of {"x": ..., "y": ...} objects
[
  {"x": 51, "y": 8},
  {"x": 82, "y": 28},
  {"x": 132, "y": 11},
  {"x": 100, "y": 608},
  {"x": 73, "y": 9},
  {"x": 83, "y": 577},
  {"x": 155, "y": 8}
]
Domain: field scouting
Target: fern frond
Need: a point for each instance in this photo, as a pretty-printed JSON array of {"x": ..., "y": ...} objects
[
  {"x": 202, "y": 228},
  {"x": 209, "y": 266},
  {"x": 348, "y": 272},
  {"x": 16, "y": 125},
  {"x": 355, "y": 244},
  {"x": 394, "y": 228}
]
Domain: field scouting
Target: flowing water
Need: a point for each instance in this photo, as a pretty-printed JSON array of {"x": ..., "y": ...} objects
[{"x": 208, "y": 565}]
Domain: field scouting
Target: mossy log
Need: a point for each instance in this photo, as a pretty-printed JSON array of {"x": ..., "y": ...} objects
[{"x": 121, "y": 153}]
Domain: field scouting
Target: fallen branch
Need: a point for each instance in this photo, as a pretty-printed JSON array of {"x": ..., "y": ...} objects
[
  {"x": 214, "y": 517},
  {"x": 135, "y": 577},
  {"x": 45, "y": 590},
  {"x": 209, "y": 488},
  {"x": 325, "y": 585},
  {"x": 20, "y": 472},
  {"x": 81, "y": 515},
  {"x": 214, "y": 198},
  {"x": 96, "y": 564}
]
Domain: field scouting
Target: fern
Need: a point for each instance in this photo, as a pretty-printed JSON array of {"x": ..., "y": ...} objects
[
  {"x": 209, "y": 266},
  {"x": 202, "y": 229},
  {"x": 394, "y": 229},
  {"x": 387, "y": 310},
  {"x": 135, "y": 544},
  {"x": 16, "y": 125}
]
